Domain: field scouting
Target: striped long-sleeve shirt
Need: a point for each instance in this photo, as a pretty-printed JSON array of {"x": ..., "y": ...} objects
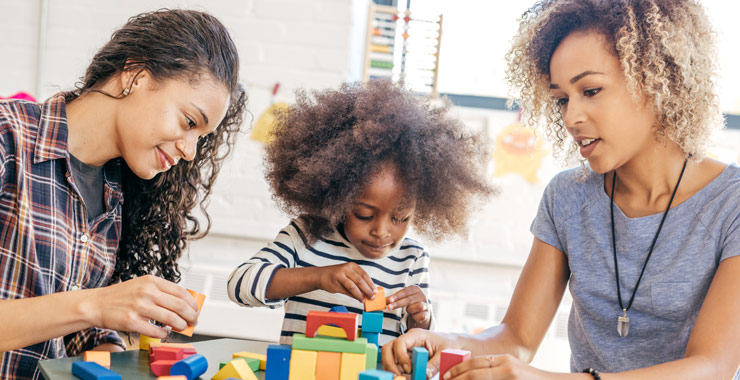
[
  {"x": 47, "y": 244},
  {"x": 405, "y": 265}
]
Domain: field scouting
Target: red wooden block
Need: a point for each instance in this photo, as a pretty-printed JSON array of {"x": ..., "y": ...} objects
[
  {"x": 345, "y": 321},
  {"x": 449, "y": 358},
  {"x": 161, "y": 367},
  {"x": 167, "y": 353}
]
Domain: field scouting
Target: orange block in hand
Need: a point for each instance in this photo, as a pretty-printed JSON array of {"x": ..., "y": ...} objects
[
  {"x": 199, "y": 299},
  {"x": 378, "y": 303}
]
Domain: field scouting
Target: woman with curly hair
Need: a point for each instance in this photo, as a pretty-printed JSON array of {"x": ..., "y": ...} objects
[
  {"x": 647, "y": 234},
  {"x": 99, "y": 187},
  {"x": 356, "y": 167}
]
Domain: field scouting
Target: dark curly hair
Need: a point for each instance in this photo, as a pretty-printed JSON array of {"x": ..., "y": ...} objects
[
  {"x": 158, "y": 215},
  {"x": 324, "y": 151},
  {"x": 666, "y": 49}
]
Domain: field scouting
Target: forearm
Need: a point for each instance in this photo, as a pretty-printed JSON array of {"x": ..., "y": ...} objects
[
  {"x": 288, "y": 282},
  {"x": 31, "y": 320},
  {"x": 500, "y": 339},
  {"x": 695, "y": 367}
]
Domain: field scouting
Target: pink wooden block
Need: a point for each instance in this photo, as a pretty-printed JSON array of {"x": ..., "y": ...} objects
[{"x": 449, "y": 358}]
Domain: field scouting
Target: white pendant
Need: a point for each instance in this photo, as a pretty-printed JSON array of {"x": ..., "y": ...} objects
[{"x": 623, "y": 324}]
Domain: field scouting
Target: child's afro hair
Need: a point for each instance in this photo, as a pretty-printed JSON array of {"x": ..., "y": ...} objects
[{"x": 325, "y": 150}]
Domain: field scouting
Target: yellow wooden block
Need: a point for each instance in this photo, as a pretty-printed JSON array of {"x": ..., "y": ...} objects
[
  {"x": 352, "y": 365},
  {"x": 100, "y": 357},
  {"x": 303, "y": 365},
  {"x": 145, "y": 341},
  {"x": 235, "y": 369},
  {"x": 260, "y": 357},
  {"x": 333, "y": 331}
]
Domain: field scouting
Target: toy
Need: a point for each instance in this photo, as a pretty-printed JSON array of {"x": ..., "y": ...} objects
[
  {"x": 328, "y": 365},
  {"x": 419, "y": 359},
  {"x": 260, "y": 357},
  {"x": 346, "y": 321},
  {"x": 372, "y": 322},
  {"x": 145, "y": 341},
  {"x": 302, "y": 342},
  {"x": 252, "y": 363},
  {"x": 190, "y": 367},
  {"x": 199, "y": 299},
  {"x": 374, "y": 374},
  {"x": 449, "y": 357},
  {"x": 303, "y": 365},
  {"x": 100, "y": 357},
  {"x": 161, "y": 367},
  {"x": 278, "y": 362},
  {"x": 237, "y": 368},
  {"x": 351, "y": 366},
  {"x": 93, "y": 371},
  {"x": 378, "y": 303},
  {"x": 172, "y": 378}
]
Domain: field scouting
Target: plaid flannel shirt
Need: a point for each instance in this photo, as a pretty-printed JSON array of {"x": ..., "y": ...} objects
[{"x": 46, "y": 243}]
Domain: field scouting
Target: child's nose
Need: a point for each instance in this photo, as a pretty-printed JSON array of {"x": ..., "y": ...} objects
[{"x": 380, "y": 229}]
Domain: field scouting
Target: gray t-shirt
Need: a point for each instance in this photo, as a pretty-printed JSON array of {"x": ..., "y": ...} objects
[
  {"x": 90, "y": 182},
  {"x": 698, "y": 234}
]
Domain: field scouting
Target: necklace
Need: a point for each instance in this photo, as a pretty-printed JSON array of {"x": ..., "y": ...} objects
[{"x": 623, "y": 321}]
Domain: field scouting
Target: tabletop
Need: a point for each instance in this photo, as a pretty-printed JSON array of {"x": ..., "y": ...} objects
[{"x": 134, "y": 364}]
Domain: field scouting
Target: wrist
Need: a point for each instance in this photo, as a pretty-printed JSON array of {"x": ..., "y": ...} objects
[{"x": 85, "y": 307}]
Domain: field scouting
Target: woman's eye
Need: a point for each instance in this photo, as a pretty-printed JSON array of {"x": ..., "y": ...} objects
[
  {"x": 562, "y": 101},
  {"x": 591, "y": 92},
  {"x": 191, "y": 123}
]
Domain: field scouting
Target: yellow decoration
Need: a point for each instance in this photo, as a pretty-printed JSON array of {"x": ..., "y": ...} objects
[
  {"x": 266, "y": 123},
  {"x": 333, "y": 331},
  {"x": 519, "y": 150}
]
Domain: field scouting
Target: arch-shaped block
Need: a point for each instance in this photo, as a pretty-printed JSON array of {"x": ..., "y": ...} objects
[{"x": 345, "y": 321}]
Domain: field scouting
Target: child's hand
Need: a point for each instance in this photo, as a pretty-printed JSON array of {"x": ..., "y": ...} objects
[
  {"x": 349, "y": 279},
  {"x": 415, "y": 302}
]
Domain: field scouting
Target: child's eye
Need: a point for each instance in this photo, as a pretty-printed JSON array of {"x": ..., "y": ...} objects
[
  {"x": 591, "y": 92},
  {"x": 400, "y": 220},
  {"x": 361, "y": 217}
]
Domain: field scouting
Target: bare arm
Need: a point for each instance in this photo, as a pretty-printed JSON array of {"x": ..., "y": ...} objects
[{"x": 126, "y": 306}]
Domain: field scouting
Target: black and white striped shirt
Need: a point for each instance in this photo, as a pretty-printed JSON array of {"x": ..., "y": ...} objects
[{"x": 405, "y": 265}]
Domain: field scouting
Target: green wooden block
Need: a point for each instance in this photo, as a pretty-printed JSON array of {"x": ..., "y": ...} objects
[
  {"x": 254, "y": 364},
  {"x": 371, "y": 356},
  {"x": 321, "y": 343}
]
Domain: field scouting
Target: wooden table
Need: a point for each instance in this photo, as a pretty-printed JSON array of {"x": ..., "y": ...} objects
[{"x": 134, "y": 364}]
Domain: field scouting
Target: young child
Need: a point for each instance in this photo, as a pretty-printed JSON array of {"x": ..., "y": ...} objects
[{"x": 357, "y": 166}]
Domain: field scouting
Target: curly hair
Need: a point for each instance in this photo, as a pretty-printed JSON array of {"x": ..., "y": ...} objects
[
  {"x": 665, "y": 47},
  {"x": 158, "y": 217},
  {"x": 324, "y": 151}
]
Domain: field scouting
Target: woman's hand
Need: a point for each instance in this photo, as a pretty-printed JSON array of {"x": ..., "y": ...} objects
[
  {"x": 494, "y": 367},
  {"x": 415, "y": 302},
  {"x": 131, "y": 305},
  {"x": 395, "y": 355},
  {"x": 349, "y": 279}
]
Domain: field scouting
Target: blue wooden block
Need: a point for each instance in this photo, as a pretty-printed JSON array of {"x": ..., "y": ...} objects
[
  {"x": 375, "y": 374},
  {"x": 419, "y": 359},
  {"x": 371, "y": 337},
  {"x": 339, "y": 309},
  {"x": 191, "y": 367},
  {"x": 93, "y": 371},
  {"x": 372, "y": 322},
  {"x": 278, "y": 362}
]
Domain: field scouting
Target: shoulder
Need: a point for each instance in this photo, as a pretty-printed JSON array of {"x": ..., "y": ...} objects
[
  {"x": 17, "y": 115},
  {"x": 571, "y": 190}
]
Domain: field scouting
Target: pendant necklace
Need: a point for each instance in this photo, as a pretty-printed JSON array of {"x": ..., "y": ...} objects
[{"x": 623, "y": 321}]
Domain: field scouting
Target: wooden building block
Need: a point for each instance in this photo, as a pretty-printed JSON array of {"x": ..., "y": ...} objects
[
  {"x": 172, "y": 378},
  {"x": 161, "y": 367},
  {"x": 345, "y": 321},
  {"x": 188, "y": 348},
  {"x": 332, "y": 331},
  {"x": 93, "y": 371},
  {"x": 378, "y": 303},
  {"x": 328, "y": 365},
  {"x": 278, "y": 362},
  {"x": 373, "y": 338},
  {"x": 100, "y": 357},
  {"x": 372, "y": 322},
  {"x": 302, "y": 342},
  {"x": 236, "y": 368},
  {"x": 253, "y": 364},
  {"x": 168, "y": 353},
  {"x": 145, "y": 341},
  {"x": 303, "y": 365},
  {"x": 371, "y": 356},
  {"x": 449, "y": 357},
  {"x": 199, "y": 299},
  {"x": 375, "y": 374},
  {"x": 339, "y": 309},
  {"x": 419, "y": 359},
  {"x": 244, "y": 354},
  {"x": 352, "y": 365},
  {"x": 191, "y": 367}
]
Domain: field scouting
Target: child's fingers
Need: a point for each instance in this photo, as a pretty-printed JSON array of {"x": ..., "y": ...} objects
[
  {"x": 351, "y": 289},
  {"x": 418, "y": 310},
  {"x": 365, "y": 283},
  {"x": 406, "y": 297}
]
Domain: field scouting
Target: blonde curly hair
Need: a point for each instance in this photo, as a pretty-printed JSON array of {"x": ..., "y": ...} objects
[{"x": 666, "y": 49}]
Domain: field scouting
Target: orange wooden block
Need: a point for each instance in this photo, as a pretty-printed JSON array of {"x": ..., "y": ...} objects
[
  {"x": 345, "y": 321},
  {"x": 375, "y": 304},
  {"x": 328, "y": 365},
  {"x": 199, "y": 299},
  {"x": 100, "y": 357}
]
